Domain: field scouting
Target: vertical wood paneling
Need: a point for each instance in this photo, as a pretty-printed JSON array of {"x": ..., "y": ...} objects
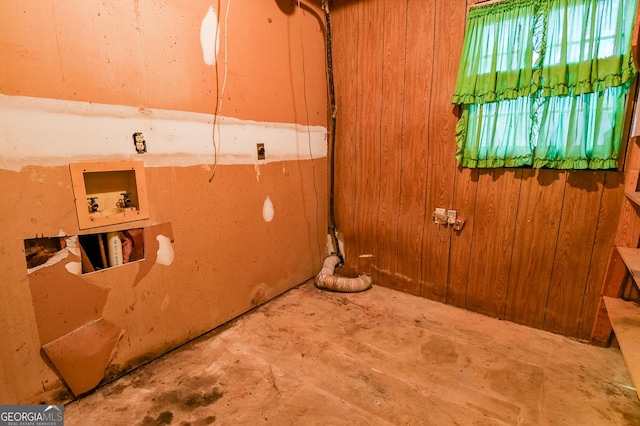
[
  {"x": 466, "y": 189},
  {"x": 628, "y": 231},
  {"x": 345, "y": 68},
  {"x": 532, "y": 246},
  {"x": 413, "y": 167},
  {"x": 369, "y": 81},
  {"x": 576, "y": 238},
  {"x": 492, "y": 245},
  {"x": 395, "y": 27},
  {"x": 535, "y": 244},
  {"x": 605, "y": 235},
  {"x": 615, "y": 275},
  {"x": 441, "y": 164}
]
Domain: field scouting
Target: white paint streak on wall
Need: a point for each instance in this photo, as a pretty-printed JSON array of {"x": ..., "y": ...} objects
[
  {"x": 72, "y": 245},
  {"x": 165, "y": 253},
  {"x": 210, "y": 37},
  {"x": 329, "y": 246},
  {"x": 341, "y": 245},
  {"x": 51, "y": 132},
  {"x": 74, "y": 268},
  {"x": 257, "y": 167},
  {"x": 267, "y": 210}
]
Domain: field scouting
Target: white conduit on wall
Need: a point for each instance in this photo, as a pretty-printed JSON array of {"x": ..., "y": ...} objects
[{"x": 326, "y": 280}]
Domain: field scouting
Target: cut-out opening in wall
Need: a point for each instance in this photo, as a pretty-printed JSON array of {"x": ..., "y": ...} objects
[
  {"x": 116, "y": 189},
  {"x": 109, "y": 193},
  {"x": 108, "y": 249},
  {"x": 39, "y": 250},
  {"x": 97, "y": 251}
]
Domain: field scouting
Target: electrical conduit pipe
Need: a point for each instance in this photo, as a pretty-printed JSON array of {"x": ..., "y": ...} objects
[{"x": 326, "y": 280}]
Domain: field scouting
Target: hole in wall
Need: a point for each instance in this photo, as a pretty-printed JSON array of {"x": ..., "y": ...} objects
[
  {"x": 97, "y": 251},
  {"x": 39, "y": 250},
  {"x": 108, "y": 249},
  {"x": 111, "y": 190},
  {"x": 109, "y": 193}
]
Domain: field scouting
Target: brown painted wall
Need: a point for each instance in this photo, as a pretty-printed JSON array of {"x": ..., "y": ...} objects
[
  {"x": 535, "y": 243},
  {"x": 147, "y": 54},
  {"x": 228, "y": 258}
]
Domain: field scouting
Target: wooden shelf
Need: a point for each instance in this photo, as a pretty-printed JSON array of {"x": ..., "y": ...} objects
[
  {"x": 631, "y": 258},
  {"x": 625, "y": 319},
  {"x": 634, "y": 197}
]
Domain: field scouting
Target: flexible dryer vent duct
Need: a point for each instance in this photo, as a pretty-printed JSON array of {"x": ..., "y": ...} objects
[{"x": 325, "y": 278}]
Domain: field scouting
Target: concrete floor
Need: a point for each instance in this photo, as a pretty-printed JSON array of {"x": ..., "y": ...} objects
[{"x": 381, "y": 357}]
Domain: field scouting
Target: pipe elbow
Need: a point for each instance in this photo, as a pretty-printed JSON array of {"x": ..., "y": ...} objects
[{"x": 326, "y": 280}]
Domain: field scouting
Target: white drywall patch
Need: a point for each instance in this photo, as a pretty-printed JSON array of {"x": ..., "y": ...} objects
[
  {"x": 329, "y": 246},
  {"x": 165, "y": 251},
  {"x": 174, "y": 138},
  {"x": 72, "y": 245},
  {"x": 210, "y": 37},
  {"x": 268, "y": 210},
  {"x": 74, "y": 268}
]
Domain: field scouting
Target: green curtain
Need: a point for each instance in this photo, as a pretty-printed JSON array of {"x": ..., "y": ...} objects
[
  {"x": 495, "y": 134},
  {"x": 497, "y": 55},
  {"x": 581, "y": 132},
  {"x": 544, "y": 83}
]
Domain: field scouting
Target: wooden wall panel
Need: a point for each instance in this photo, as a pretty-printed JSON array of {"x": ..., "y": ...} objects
[
  {"x": 345, "y": 68},
  {"x": 628, "y": 230},
  {"x": 535, "y": 244},
  {"x": 441, "y": 164},
  {"x": 466, "y": 190},
  {"x": 617, "y": 280},
  {"x": 395, "y": 27},
  {"x": 368, "y": 116},
  {"x": 612, "y": 286},
  {"x": 418, "y": 65},
  {"x": 492, "y": 246},
  {"x": 612, "y": 197},
  {"x": 576, "y": 239}
]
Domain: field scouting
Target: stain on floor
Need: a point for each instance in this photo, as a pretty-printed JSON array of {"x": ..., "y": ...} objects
[{"x": 380, "y": 357}]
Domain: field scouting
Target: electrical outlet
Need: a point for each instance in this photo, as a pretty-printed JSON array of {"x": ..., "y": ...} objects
[
  {"x": 459, "y": 223},
  {"x": 451, "y": 217},
  {"x": 261, "y": 151},
  {"x": 440, "y": 216}
]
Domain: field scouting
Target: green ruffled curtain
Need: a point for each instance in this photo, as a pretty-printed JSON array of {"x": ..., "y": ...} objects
[{"x": 544, "y": 83}]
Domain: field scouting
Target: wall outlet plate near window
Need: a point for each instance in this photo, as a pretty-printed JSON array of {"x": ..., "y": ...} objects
[
  {"x": 440, "y": 216},
  {"x": 451, "y": 217},
  {"x": 459, "y": 223}
]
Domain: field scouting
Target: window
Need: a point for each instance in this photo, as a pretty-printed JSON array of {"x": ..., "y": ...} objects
[
  {"x": 543, "y": 83},
  {"x": 596, "y": 37}
]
